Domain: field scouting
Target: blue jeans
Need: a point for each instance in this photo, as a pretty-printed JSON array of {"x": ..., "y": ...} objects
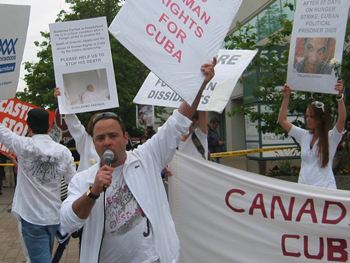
[{"x": 39, "y": 241}]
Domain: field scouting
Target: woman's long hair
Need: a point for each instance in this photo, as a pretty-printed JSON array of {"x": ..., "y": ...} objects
[{"x": 323, "y": 126}]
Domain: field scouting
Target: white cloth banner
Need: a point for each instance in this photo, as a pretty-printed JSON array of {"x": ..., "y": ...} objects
[
  {"x": 83, "y": 65},
  {"x": 230, "y": 66},
  {"x": 14, "y": 20},
  {"x": 318, "y": 36},
  {"x": 225, "y": 215},
  {"x": 174, "y": 38}
]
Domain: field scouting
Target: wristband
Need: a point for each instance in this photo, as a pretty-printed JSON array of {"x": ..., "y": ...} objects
[{"x": 341, "y": 97}]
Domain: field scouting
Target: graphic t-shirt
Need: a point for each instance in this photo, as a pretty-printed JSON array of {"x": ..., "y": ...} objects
[{"x": 127, "y": 237}]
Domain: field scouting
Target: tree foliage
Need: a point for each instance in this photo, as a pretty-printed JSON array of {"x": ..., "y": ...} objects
[{"x": 129, "y": 71}]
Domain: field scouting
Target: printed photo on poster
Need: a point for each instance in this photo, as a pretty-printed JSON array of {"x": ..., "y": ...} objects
[
  {"x": 86, "y": 87},
  {"x": 145, "y": 116},
  {"x": 313, "y": 54}
]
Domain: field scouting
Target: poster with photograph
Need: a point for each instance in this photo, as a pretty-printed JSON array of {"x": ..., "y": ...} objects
[
  {"x": 13, "y": 114},
  {"x": 14, "y": 20},
  {"x": 228, "y": 70},
  {"x": 317, "y": 42},
  {"x": 175, "y": 38},
  {"x": 83, "y": 65},
  {"x": 144, "y": 116}
]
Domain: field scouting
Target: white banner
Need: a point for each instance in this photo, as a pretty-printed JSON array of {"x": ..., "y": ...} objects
[
  {"x": 14, "y": 21},
  {"x": 174, "y": 38},
  {"x": 317, "y": 37},
  {"x": 83, "y": 65},
  {"x": 230, "y": 66},
  {"x": 225, "y": 215}
]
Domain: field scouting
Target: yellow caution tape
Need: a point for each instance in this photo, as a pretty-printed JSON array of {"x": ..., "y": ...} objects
[
  {"x": 245, "y": 152},
  {"x": 11, "y": 164},
  {"x": 223, "y": 154}
]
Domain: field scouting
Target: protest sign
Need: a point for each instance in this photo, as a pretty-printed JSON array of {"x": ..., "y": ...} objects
[
  {"x": 238, "y": 216},
  {"x": 177, "y": 37},
  {"x": 14, "y": 21},
  {"x": 13, "y": 114},
  {"x": 317, "y": 38},
  {"x": 229, "y": 68},
  {"x": 83, "y": 65},
  {"x": 144, "y": 116}
]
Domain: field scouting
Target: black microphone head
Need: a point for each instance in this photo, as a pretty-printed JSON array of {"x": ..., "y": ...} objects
[{"x": 108, "y": 156}]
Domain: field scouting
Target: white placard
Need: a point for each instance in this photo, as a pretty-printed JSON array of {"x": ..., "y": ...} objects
[
  {"x": 174, "y": 38},
  {"x": 318, "y": 36},
  {"x": 83, "y": 65},
  {"x": 14, "y": 20},
  {"x": 230, "y": 66}
]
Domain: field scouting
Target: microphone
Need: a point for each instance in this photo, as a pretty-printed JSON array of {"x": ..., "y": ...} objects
[{"x": 108, "y": 156}]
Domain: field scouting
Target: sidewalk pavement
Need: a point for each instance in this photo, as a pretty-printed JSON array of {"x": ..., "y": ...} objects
[{"x": 10, "y": 245}]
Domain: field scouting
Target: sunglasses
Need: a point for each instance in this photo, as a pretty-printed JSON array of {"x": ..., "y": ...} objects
[
  {"x": 106, "y": 115},
  {"x": 319, "y": 105}
]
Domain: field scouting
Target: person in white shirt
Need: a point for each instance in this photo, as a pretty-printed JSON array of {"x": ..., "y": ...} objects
[
  {"x": 123, "y": 207},
  {"x": 41, "y": 165},
  {"x": 319, "y": 143},
  {"x": 195, "y": 143}
]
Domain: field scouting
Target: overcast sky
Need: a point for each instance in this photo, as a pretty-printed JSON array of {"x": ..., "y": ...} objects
[{"x": 42, "y": 13}]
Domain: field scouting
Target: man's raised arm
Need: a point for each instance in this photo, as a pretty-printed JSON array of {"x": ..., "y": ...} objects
[{"x": 208, "y": 71}]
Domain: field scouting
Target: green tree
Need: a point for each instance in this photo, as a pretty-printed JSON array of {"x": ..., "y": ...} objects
[{"x": 129, "y": 71}]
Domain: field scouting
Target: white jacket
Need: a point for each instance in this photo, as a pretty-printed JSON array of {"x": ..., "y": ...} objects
[{"x": 142, "y": 175}]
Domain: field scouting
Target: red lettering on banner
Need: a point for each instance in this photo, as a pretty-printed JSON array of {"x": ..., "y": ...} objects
[
  {"x": 284, "y": 249},
  {"x": 287, "y": 209},
  {"x": 287, "y": 217},
  {"x": 258, "y": 203},
  {"x": 306, "y": 249},
  {"x": 172, "y": 28},
  {"x": 310, "y": 211},
  {"x": 194, "y": 8},
  {"x": 190, "y": 22},
  {"x": 229, "y": 193},
  {"x": 168, "y": 45},
  {"x": 336, "y": 248},
  {"x": 325, "y": 213}
]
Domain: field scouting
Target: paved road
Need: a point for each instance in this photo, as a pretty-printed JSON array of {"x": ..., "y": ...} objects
[{"x": 10, "y": 246}]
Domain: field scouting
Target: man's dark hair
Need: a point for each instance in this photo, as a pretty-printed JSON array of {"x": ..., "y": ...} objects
[
  {"x": 108, "y": 115},
  {"x": 38, "y": 121},
  {"x": 214, "y": 120}
]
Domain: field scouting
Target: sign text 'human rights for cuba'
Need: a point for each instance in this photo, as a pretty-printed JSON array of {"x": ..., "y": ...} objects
[
  {"x": 174, "y": 38},
  {"x": 13, "y": 32}
]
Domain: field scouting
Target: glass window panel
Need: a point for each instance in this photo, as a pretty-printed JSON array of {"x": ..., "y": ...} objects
[
  {"x": 263, "y": 24},
  {"x": 274, "y": 12}
]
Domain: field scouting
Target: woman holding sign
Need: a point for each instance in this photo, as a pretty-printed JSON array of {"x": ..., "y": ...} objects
[{"x": 318, "y": 143}]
